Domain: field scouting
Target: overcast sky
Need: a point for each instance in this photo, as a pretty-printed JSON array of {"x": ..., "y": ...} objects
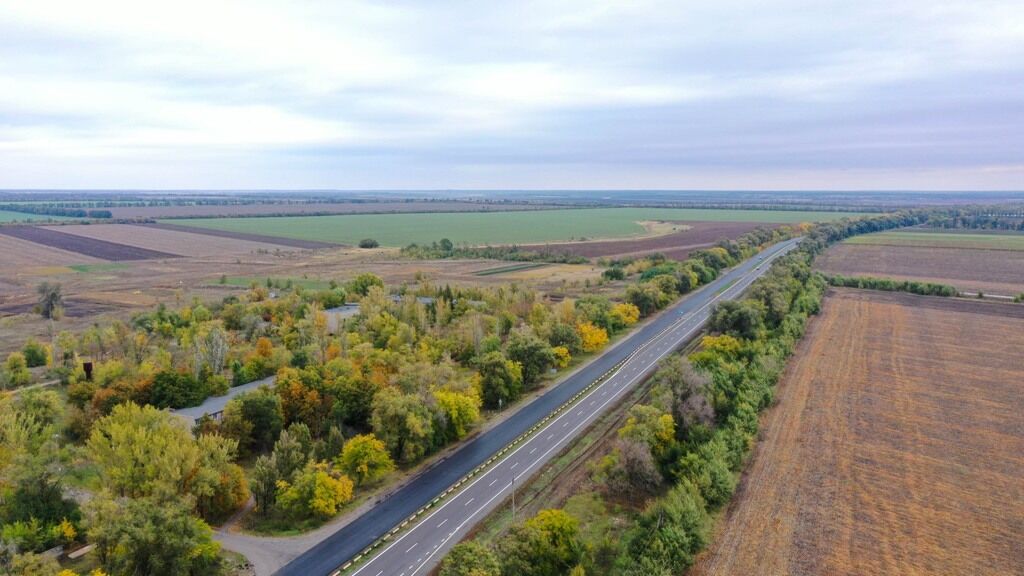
[{"x": 890, "y": 94}]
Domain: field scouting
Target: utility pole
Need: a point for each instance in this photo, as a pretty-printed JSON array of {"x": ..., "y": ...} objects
[{"x": 513, "y": 498}]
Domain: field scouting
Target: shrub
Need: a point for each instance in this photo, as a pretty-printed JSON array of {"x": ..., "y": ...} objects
[
  {"x": 16, "y": 370},
  {"x": 36, "y": 354},
  {"x": 368, "y": 243},
  {"x": 175, "y": 390},
  {"x": 470, "y": 559},
  {"x": 615, "y": 273},
  {"x": 316, "y": 491}
]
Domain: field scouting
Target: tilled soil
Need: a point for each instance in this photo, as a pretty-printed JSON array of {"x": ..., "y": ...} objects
[
  {"x": 50, "y": 236},
  {"x": 180, "y": 242},
  {"x": 896, "y": 447},
  {"x": 991, "y": 271},
  {"x": 675, "y": 245}
]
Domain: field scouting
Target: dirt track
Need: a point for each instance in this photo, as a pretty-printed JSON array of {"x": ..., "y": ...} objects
[{"x": 896, "y": 447}]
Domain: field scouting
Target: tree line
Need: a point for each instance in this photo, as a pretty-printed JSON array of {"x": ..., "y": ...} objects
[
  {"x": 890, "y": 285},
  {"x": 676, "y": 460}
]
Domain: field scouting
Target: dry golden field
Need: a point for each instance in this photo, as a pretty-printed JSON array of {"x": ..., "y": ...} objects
[{"x": 896, "y": 447}]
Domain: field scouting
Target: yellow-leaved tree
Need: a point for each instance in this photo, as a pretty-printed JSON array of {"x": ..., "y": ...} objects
[
  {"x": 592, "y": 337},
  {"x": 627, "y": 314}
]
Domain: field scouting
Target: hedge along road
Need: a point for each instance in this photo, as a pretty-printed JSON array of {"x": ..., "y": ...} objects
[{"x": 421, "y": 547}]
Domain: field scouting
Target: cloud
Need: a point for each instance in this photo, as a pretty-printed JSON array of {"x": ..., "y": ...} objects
[{"x": 486, "y": 94}]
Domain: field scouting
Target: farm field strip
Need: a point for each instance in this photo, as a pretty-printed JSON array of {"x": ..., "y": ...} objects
[
  {"x": 275, "y": 241},
  {"x": 521, "y": 227},
  {"x": 184, "y": 243},
  {"x": 896, "y": 446},
  {"x": 101, "y": 249},
  {"x": 19, "y": 255},
  {"x": 247, "y": 281},
  {"x": 942, "y": 240},
  {"x": 10, "y": 216},
  {"x": 673, "y": 245},
  {"x": 991, "y": 271},
  {"x": 264, "y": 209},
  {"x": 510, "y": 268}
]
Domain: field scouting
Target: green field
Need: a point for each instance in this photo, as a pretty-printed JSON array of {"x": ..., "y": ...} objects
[
  {"x": 969, "y": 240},
  {"x": 94, "y": 268},
  {"x": 491, "y": 227},
  {"x": 8, "y": 216}
]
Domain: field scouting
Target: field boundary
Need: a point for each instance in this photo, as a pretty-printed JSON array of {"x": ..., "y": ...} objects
[{"x": 279, "y": 240}]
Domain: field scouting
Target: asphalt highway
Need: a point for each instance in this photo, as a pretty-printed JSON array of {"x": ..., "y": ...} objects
[{"x": 421, "y": 547}]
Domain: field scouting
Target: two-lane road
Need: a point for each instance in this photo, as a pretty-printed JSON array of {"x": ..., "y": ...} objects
[{"x": 421, "y": 547}]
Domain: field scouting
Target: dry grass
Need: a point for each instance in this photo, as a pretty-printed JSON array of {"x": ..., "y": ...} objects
[
  {"x": 896, "y": 447},
  {"x": 991, "y": 271}
]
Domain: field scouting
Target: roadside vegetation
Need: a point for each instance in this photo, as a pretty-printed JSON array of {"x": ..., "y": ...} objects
[
  {"x": 677, "y": 458},
  {"x": 353, "y": 402}
]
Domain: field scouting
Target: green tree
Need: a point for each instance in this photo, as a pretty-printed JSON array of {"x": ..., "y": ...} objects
[
  {"x": 144, "y": 452},
  {"x": 743, "y": 319},
  {"x": 16, "y": 371},
  {"x": 501, "y": 380},
  {"x": 563, "y": 334},
  {"x": 647, "y": 297},
  {"x": 362, "y": 283},
  {"x": 254, "y": 419},
  {"x": 263, "y": 483},
  {"x": 290, "y": 455},
  {"x": 35, "y": 353},
  {"x": 365, "y": 459},
  {"x": 470, "y": 559},
  {"x": 51, "y": 301},
  {"x": 668, "y": 534},
  {"x": 546, "y": 545},
  {"x": 708, "y": 470},
  {"x": 176, "y": 390},
  {"x": 314, "y": 491},
  {"x": 404, "y": 423},
  {"x": 533, "y": 355},
  {"x": 142, "y": 536}
]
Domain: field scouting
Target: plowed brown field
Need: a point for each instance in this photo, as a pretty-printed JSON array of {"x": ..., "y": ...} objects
[
  {"x": 102, "y": 249},
  {"x": 177, "y": 242},
  {"x": 991, "y": 271},
  {"x": 17, "y": 254},
  {"x": 896, "y": 447},
  {"x": 675, "y": 245}
]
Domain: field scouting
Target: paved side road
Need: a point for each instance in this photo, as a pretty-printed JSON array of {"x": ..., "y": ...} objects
[{"x": 420, "y": 548}]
